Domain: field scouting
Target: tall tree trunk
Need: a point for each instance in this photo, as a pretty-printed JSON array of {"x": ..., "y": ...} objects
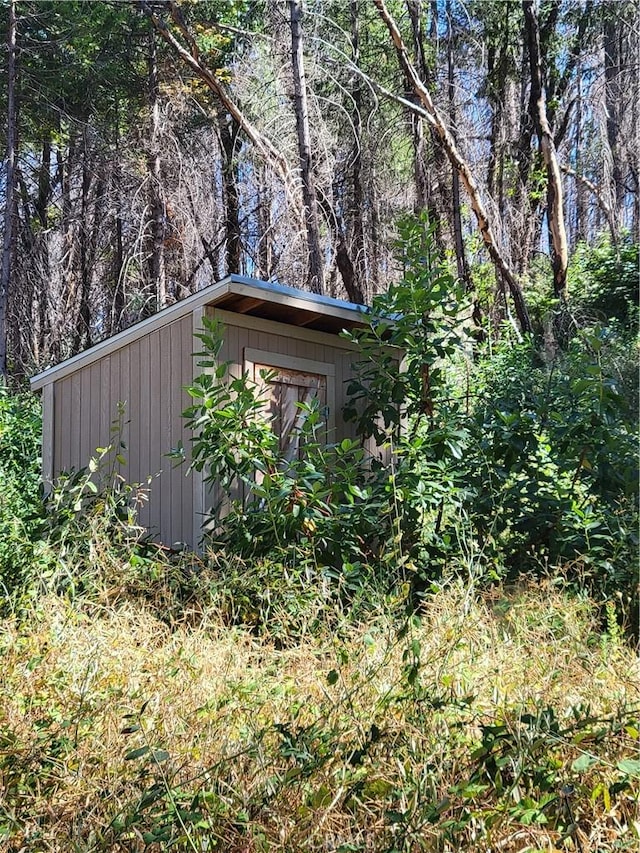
[
  {"x": 613, "y": 77},
  {"x": 265, "y": 239},
  {"x": 118, "y": 298},
  {"x": 581, "y": 226},
  {"x": 432, "y": 184},
  {"x": 228, "y": 133},
  {"x": 432, "y": 115},
  {"x": 83, "y": 320},
  {"x": 357, "y": 207},
  {"x": 421, "y": 173},
  {"x": 315, "y": 278},
  {"x": 523, "y": 210},
  {"x": 500, "y": 92},
  {"x": 555, "y": 201},
  {"x": 461, "y": 259},
  {"x": 10, "y": 178},
  {"x": 157, "y": 273},
  {"x": 41, "y": 294},
  {"x": 91, "y": 222}
]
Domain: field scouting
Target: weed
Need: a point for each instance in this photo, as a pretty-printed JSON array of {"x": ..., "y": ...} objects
[{"x": 445, "y": 732}]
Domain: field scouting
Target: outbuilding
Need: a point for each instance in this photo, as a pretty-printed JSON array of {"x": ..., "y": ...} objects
[{"x": 292, "y": 333}]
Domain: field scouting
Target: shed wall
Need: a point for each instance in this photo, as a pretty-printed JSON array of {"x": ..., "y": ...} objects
[
  {"x": 297, "y": 343},
  {"x": 148, "y": 376}
]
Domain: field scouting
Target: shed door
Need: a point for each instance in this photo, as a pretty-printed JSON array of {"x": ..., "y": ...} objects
[{"x": 284, "y": 389}]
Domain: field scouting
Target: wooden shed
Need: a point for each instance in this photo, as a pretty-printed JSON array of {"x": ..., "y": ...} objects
[{"x": 292, "y": 332}]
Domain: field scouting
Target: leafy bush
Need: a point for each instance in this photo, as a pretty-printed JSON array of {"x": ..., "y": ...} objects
[
  {"x": 329, "y": 508},
  {"x": 511, "y": 461},
  {"x": 604, "y": 282},
  {"x": 21, "y": 504},
  {"x": 95, "y": 542},
  {"x": 552, "y": 465}
]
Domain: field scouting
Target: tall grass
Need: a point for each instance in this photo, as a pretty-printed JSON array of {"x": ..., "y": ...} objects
[{"x": 502, "y": 721}]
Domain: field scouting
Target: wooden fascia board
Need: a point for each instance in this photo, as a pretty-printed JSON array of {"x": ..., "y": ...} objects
[
  {"x": 128, "y": 336},
  {"x": 260, "y": 324},
  {"x": 300, "y": 303},
  {"x": 207, "y": 297}
]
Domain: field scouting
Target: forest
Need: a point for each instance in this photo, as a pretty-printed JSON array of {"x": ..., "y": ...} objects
[{"x": 430, "y": 647}]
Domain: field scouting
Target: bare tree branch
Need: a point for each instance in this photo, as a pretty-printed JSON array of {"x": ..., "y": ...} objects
[
  {"x": 190, "y": 57},
  {"x": 460, "y": 165},
  {"x": 594, "y": 190}
]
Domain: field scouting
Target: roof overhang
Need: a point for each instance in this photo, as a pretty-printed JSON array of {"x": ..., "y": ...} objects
[{"x": 236, "y": 294}]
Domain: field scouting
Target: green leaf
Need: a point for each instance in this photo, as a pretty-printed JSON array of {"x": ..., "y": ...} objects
[
  {"x": 136, "y": 753},
  {"x": 630, "y": 767},
  {"x": 159, "y": 755},
  {"x": 583, "y": 763},
  {"x": 332, "y": 677}
]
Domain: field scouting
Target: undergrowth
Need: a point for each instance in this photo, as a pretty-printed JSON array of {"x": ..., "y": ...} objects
[
  {"x": 496, "y": 721},
  {"x": 432, "y": 653}
]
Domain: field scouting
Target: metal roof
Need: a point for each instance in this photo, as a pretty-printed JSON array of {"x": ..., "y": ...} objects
[{"x": 236, "y": 294}]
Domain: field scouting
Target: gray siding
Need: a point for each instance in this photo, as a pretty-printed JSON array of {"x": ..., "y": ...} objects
[
  {"x": 148, "y": 376},
  {"x": 340, "y": 354}
]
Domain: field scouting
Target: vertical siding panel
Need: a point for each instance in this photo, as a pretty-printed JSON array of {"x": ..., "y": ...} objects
[
  {"x": 233, "y": 350},
  {"x": 197, "y": 491},
  {"x": 86, "y": 451},
  {"x": 340, "y": 392},
  {"x": 166, "y": 379},
  {"x": 175, "y": 480},
  {"x": 176, "y": 395},
  {"x": 106, "y": 410},
  {"x": 67, "y": 436},
  {"x": 62, "y": 425},
  {"x": 144, "y": 421},
  {"x": 304, "y": 349},
  {"x": 125, "y": 397},
  {"x": 132, "y": 455},
  {"x": 48, "y": 436},
  {"x": 184, "y": 360},
  {"x": 115, "y": 392},
  {"x": 96, "y": 438},
  {"x": 58, "y": 412},
  {"x": 76, "y": 426},
  {"x": 244, "y": 338},
  {"x": 155, "y": 376}
]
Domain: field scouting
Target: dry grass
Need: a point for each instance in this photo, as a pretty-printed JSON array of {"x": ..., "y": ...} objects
[{"x": 367, "y": 742}]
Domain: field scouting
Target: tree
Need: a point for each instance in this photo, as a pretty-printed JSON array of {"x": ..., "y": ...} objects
[
  {"x": 538, "y": 108},
  {"x": 432, "y": 115},
  {"x": 9, "y": 213},
  {"x": 160, "y": 145},
  {"x": 310, "y": 204}
]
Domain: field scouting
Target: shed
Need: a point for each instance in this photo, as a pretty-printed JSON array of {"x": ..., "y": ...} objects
[{"x": 146, "y": 367}]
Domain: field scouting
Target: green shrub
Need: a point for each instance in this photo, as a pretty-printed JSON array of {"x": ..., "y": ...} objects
[
  {"x": 604, "y": 282},
  {"x": 96, "y": 545},
  {"x": 552, "y": 465},
  {"x": 21, "y": 503},
  {"x": 510, "y": 462},
  {"x": 331, "y": 506}
]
